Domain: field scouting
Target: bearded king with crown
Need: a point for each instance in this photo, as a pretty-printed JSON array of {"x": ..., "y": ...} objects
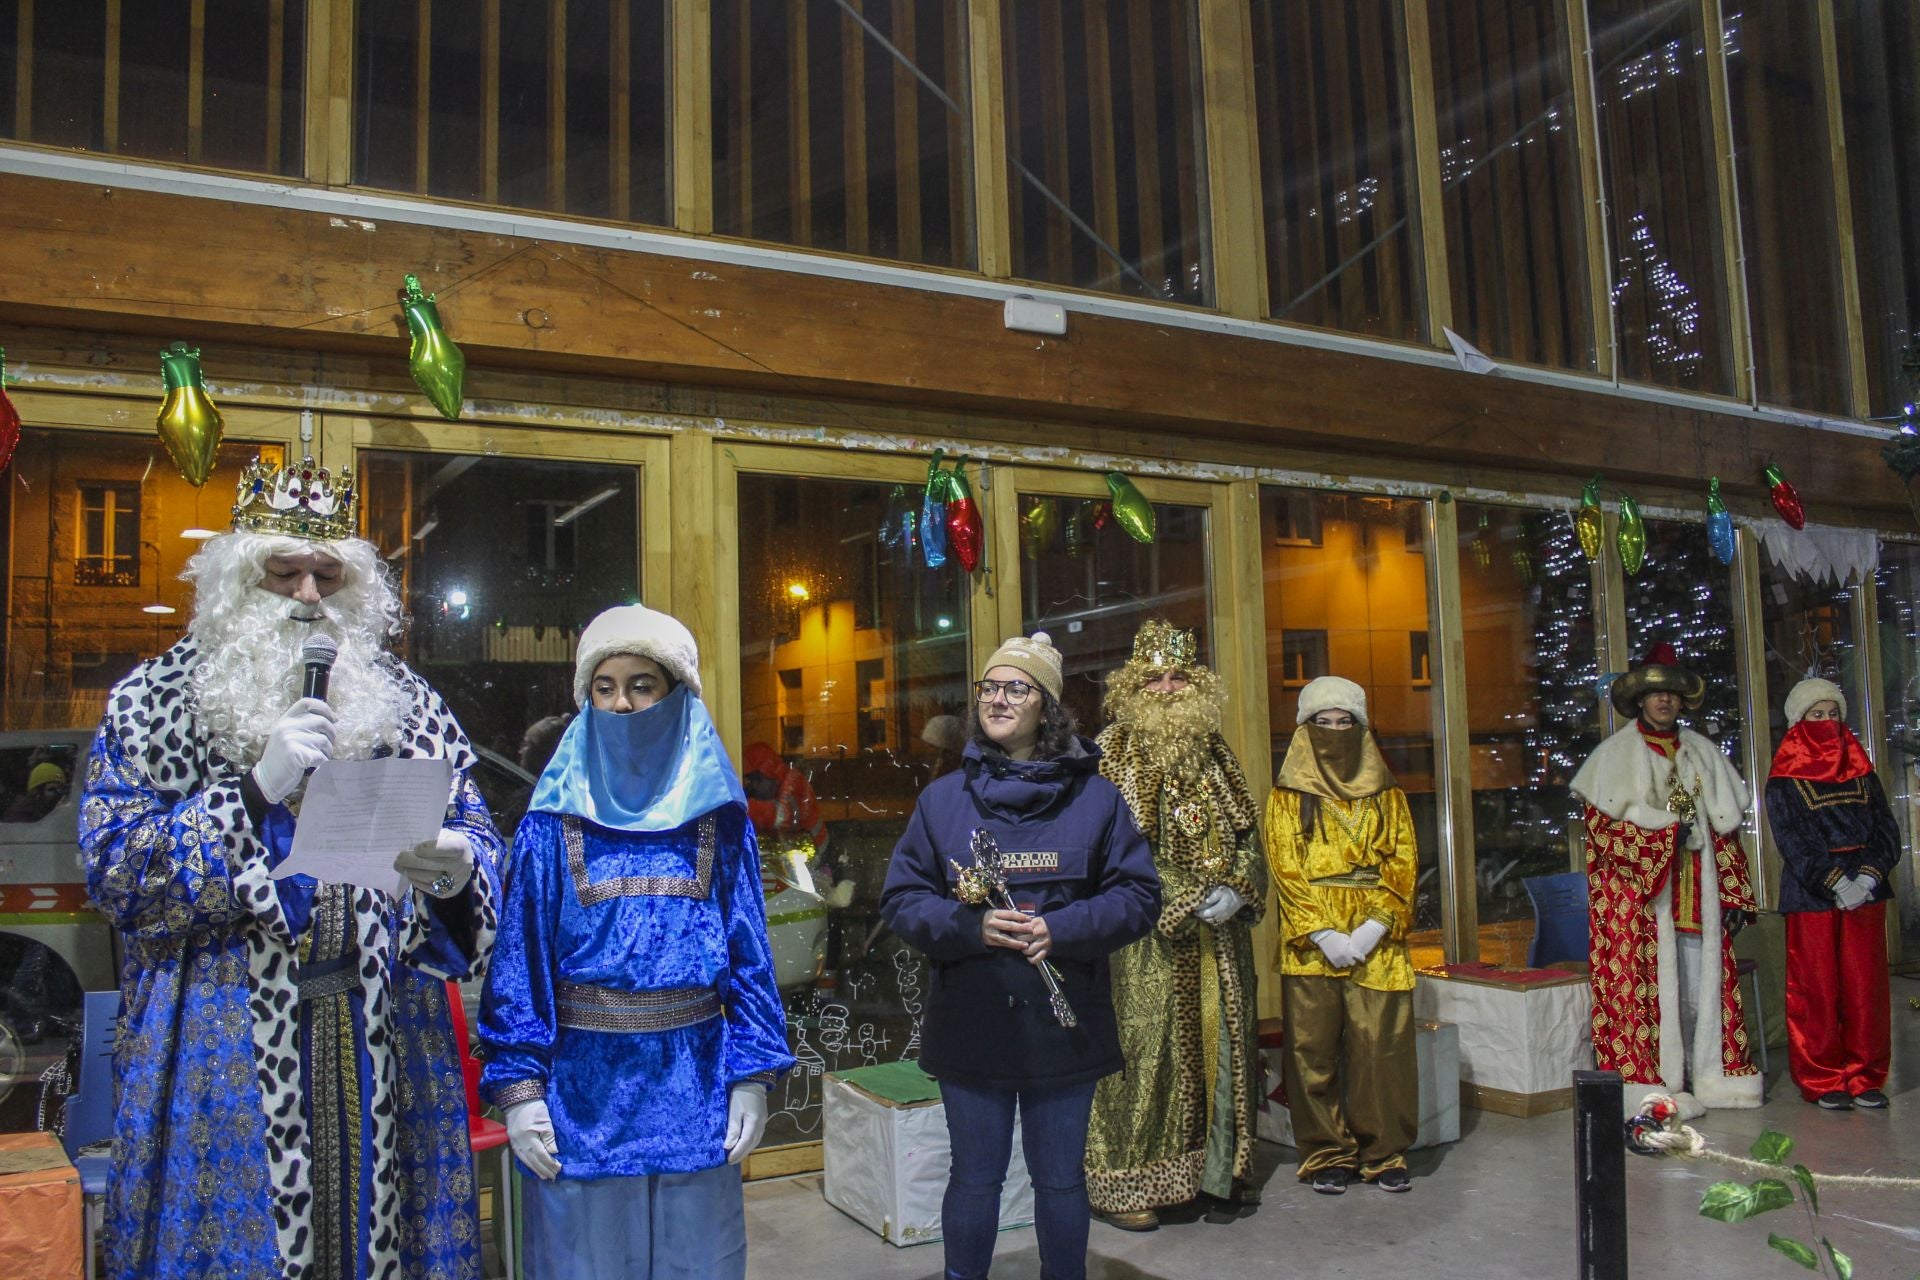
[
  {"x": 1178, "y": 1123},
  {"x": 288, "y": 1100}
]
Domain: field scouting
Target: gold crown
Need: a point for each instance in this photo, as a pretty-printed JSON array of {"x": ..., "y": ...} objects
[
  {"x": 1162, "y": 646},
  {"x": 302, "y": 502}
]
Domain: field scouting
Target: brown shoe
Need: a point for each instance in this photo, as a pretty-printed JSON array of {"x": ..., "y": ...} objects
[{"x": 1130, "y": 1220}]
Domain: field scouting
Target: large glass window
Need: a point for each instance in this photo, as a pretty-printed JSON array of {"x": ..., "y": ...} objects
[
  {"x": 1779, "y": 107},
  {"x": 1088, "y": 585},
  {"x": 1809, "y": 627},
  {"x": 1661, "y": 178},
  {"x": 1509, "y": 167},
  {"x": 98, "y": 528},
  {"x": 500, "y": 563},
  {"x": 1526, "y": 614},
  {"x": 844, "y": 126},
  {"x": 1346, "y": 595},
  {"x": 1898, "y": 583},
  {"x": 210, "y": 82},
  {"x": 1880, "y": 97},
  {"x": 854, "y": 671},
  {"x": 1683, "y": 597},
  {"x": 541, "y": 104},
  {"x": 1330, "y": 83},
  {"x": 1104, "y": 140}
]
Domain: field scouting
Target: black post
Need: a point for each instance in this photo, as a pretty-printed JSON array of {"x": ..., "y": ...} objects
[{"x": 1599, "y": 1175}]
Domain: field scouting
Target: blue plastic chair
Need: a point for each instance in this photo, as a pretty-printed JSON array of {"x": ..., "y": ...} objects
[
  {"x": 89, "y": 1115},
  {"x": 1560, "y": 929}
]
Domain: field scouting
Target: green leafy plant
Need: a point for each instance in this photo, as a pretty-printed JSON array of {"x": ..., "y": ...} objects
[{"x": 1738, "y": 1201}]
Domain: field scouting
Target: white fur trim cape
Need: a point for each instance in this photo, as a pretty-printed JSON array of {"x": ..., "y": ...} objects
[{"x": 1625, "y": 778}]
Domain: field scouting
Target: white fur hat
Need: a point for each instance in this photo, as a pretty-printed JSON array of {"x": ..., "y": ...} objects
[
  {"x": 636, "y": 629},
  {"x": 1808, "y": 692},
  {"x": 1331, "y": 693}
]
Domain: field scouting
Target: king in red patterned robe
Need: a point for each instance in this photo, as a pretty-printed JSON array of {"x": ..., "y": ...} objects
[{"x": 1668, "y": 887}]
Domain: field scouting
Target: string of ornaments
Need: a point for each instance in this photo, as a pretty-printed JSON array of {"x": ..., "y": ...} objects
[{"x": 1630, "y": 539}]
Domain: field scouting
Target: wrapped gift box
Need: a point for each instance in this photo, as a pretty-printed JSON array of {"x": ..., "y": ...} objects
[
  {"x": 1523, "y": 1032},
  {"x": 886, "y": 1154},
  {"x": 1436, "y": 1044},
  {"x": 40, "y": 1208}
]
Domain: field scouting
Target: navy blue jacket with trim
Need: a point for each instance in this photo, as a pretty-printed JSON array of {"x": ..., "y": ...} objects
[{"x": 1826, "y": 830}]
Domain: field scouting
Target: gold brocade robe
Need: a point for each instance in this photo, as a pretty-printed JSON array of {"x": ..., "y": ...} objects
[
  {"x": 1359, "y": 863},
  {"x": 1180, "y": 1119}
]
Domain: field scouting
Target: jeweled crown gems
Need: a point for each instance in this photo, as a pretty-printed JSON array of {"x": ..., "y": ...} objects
[
  {"x": 303, "y": 501},
  {"x": 1165, "y": 647}
]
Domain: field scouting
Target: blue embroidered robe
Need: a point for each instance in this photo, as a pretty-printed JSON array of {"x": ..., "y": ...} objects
[
  {"x": 632, "y": 912},
  {"x": 288, "y": 1097}
]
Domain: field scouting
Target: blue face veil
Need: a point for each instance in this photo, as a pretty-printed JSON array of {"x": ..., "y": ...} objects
[{"x": 651, "y": 770}]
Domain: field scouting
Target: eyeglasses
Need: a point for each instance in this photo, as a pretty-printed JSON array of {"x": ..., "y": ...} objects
[{"x": 1016, "y": 690}]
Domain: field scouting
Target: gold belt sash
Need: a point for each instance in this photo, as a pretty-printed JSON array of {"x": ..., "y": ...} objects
[{"x": 588, "y": 1008}]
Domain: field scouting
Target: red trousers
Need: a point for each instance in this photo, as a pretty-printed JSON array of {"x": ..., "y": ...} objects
[{"x": 1838, "y": 1035}]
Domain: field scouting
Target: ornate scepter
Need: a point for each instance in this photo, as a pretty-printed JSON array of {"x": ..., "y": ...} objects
[{"x": 986, "y": 882}]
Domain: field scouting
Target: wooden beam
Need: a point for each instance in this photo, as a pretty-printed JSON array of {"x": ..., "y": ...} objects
[
  {"x": 1852, "y": 320},
  {"x": 1733, "y": 255},
  {"x": 1233, "y": 159},
  {"x": 800, "y": 122},
  {"x": 620, "y": 111},
  {"x": 1429, "y": 199},
  {"x": 988, "y": 109},
  {"x": 853, "y": 127},
  {"x": 196, "y": 78},
  {"x": 557, "y": 104},
  {"x": 23, "y": 70},
  {"x": 740, "y": 128},
  {"x": 490, "y": 101},
  {"x": 1750, "y": 668},
  {"x": 906, "y": 134},
  {"x": 691, "y": 115},
  {"x": 110, "y": 80},
  {"x": 316, "y": 85},
  {"x": 422, "y": 93},
  {"x": 1453, "y": 750},
  {"x": 960, "y": 225},
  {"x": 1100, "y": 111},
  {"x": 1593, "y": 221},
  {"x": 339, "y": 97}
]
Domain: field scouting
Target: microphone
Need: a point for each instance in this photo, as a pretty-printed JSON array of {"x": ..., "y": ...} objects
[{"x": 318, "y": 654}]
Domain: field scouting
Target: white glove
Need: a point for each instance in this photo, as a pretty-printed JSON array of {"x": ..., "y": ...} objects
[
  {"x": 1364, "y": 939},
  {"x": 440, "y": 867},
  {"x": 300, "y": 739},
  {"x": 1867, "y": 885},
  {"x": 746, "y": 1119},
  {"x": 1220, "y": 904},
  {"x": 1851, "y": 892},
  {"x": 530, "y": 1133},
  {"x": 1335, "y": 946}
]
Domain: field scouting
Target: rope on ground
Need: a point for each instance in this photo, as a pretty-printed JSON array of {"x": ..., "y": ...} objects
[{"x": 1677, "y": 1139}]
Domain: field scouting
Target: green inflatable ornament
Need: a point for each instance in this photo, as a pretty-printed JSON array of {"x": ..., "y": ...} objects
[
  {"x": 1131, "y": 508},
  {"x": 437, "y": 364},
  {"x": 1632, "y": 538}
]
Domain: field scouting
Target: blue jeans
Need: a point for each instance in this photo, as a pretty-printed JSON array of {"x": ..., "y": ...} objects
[{"x": 1054, "y": 1137}]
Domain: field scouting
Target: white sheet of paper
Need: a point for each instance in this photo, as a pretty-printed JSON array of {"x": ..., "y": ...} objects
[{"x": 358, "y": 815}]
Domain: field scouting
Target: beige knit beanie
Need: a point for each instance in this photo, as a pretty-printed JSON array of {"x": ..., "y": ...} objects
[
  {"x": 1034, "y": 655},
  {"x": 1801, "y": 699}
]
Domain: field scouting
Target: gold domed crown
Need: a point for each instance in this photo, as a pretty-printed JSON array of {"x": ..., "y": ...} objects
[
  {"x": 1161, "y": 646},
  {"x": 303, "y": 501}
]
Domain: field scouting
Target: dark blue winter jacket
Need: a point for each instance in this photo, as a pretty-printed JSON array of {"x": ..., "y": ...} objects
[{"x": 1079, "y": 862}]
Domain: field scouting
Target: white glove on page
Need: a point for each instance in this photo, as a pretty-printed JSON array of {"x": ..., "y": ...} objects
[
  {"x": 1221, "y": 903},
  {"x": 746, "y": 1119},
  {"x": 1335, "y": 946},
  {"x": 1364, "y": 939},
  {"x": 439, "y": 868},
  {"x": 300, "y": 739},
  {"x": 530, "y": 1134}
]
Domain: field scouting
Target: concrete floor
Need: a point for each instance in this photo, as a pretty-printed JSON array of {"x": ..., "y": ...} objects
[{"x": 1497, "y": 1204}]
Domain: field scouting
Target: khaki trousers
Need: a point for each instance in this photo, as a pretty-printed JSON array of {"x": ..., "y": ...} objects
[{"x": 1353, "y": 1083}]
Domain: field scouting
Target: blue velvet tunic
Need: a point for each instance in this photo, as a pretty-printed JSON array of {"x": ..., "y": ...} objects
[
  {"x": 632, "y": 911},
  {"x": 287, "y": 1098}
]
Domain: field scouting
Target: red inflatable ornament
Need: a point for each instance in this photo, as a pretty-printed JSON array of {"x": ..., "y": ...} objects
[
  {"x": 9, "y": 417},
  {"x": 1786, "y": 499},
  {"x": 1102, "y": 515},
  {"x": 964, "y": 531}
]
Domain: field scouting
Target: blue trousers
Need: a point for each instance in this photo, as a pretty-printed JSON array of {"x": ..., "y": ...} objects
[
  {"x": 1053, "y": 1128},
  {"x": 662, "y": 1226}
]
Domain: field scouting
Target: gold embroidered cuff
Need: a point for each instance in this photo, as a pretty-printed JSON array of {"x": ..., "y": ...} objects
[{"x": 518, "y": 1091}]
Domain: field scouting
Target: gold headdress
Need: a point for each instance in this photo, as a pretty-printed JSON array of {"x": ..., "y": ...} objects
[
  {"x": 1161, "y": 646},
  {"x": 301, "y": 502}
]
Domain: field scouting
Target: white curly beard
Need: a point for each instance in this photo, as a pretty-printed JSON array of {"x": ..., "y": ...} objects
[{"x": 249, "y": 672}]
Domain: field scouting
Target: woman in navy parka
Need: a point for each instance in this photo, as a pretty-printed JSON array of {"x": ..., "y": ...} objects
[{"x": 1083, "y": 877}]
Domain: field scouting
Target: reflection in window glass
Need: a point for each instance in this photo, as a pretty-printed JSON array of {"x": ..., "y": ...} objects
[
  {"x": 854, "y": 683},
  {"x": 1516, "y": 246},
  {"x": 1898, "y": 582},
  {"x": 1661, "y": 179},
  {"x": 1880, "y": 98},
  {"x": 1329, "y": 80},
  {"x": 1682, "y": 596},
  {"x": 97, "y": 529},
  {"x": 1090, "y": 586},
  {"x": 1104, "y": 143},
  {"x": 1778, "y": 104},
  {"x": 844, "y": 127},
  {"x": 225, "y": 89},
  {"x": 1809, "y": 628},
  {"x": 1347, "y": 604},
  {"x": 555, "y": 104},
  {"x": 483, "y": 551},
  {"x": 1526, "y": 613}
]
